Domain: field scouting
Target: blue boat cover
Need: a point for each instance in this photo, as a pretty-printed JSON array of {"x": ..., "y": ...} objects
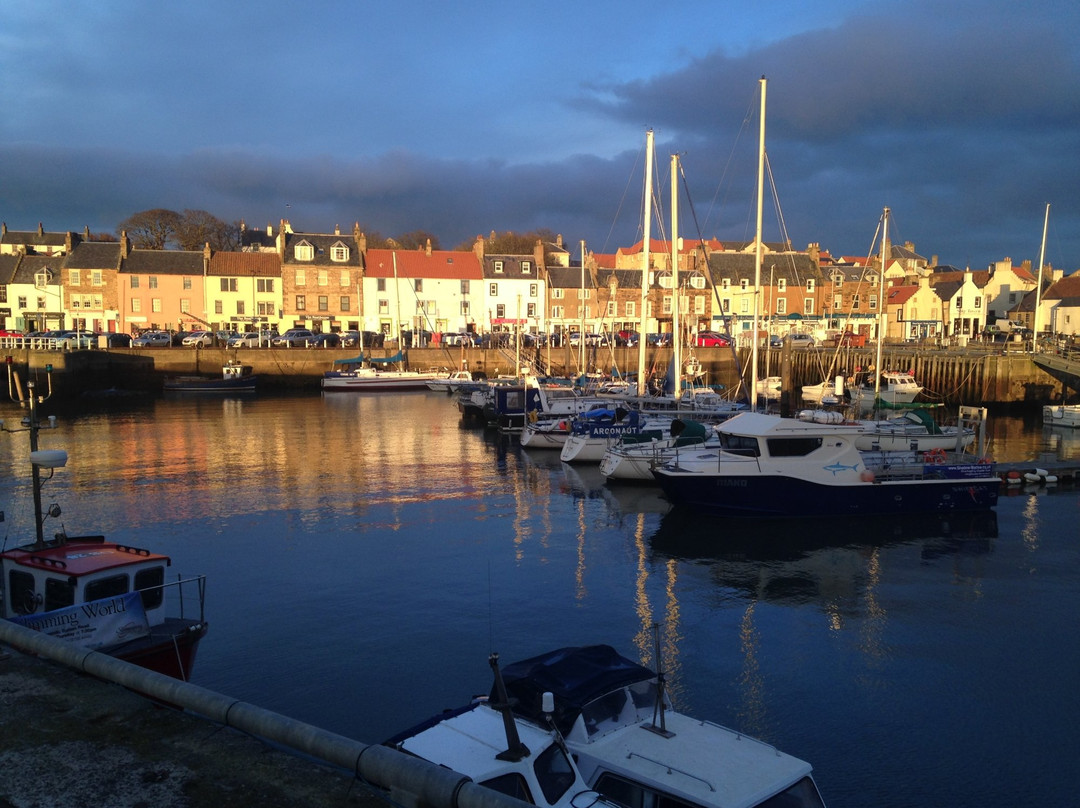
[{"x": 575, "y": 676}]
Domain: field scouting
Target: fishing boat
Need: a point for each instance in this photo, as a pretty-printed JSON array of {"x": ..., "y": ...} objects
[
  {"x": 615, "y": 717},
  {"x": 767, "y": 466},
  {"x": 1061, "y": 415},
  {"x": 451, "y": 381},
  {"x": 372, "y": 374},
  {"x": 235, "y": 378},
  {"x": 99, "y": 595}
]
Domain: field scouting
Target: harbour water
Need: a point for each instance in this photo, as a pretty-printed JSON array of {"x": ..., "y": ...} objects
[{"x": 365, "y": 554}]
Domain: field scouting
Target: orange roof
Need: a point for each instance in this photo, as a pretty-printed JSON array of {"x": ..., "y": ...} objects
[
  {"x": 898, "y": 295},
  {"x": 450, "y": 264},
  {"x": 245, "y": 264}
]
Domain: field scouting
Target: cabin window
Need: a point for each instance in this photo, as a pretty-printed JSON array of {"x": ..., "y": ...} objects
[
  {"x": 59, "y": 593},
  {"x": 803, "y": 794},
  {"x": 149, "y": 583},
  {"x": 740, "y": 445},
  {"x": 512, "y": 785},
  {"x": 792, "y": 447},
  {"x": 634, "y": 795},
  {"x": 106, "y": 588},
  {"x": 554, "y": 772},
  {"x": 21, "y": 592}
]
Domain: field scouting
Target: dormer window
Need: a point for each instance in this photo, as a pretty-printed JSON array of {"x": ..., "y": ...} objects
[
  {"x": 810, "y": 284},
  {"x": 664, "y": 279},
  {"x": 697, "y": 281},
  {"x": 42, "y": 278},
  {"x": 744, "y": 284},
  {"x": 339, "y": 252},
  {"x": 304, "y": 251},
  {"x": 781, "y": 285},
  {"x": 499, "y": 266},
  {"x": 526, "y": 267}
]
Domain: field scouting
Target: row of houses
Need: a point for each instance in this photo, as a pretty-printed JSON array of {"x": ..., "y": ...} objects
[{"x": 332, "y": 281}]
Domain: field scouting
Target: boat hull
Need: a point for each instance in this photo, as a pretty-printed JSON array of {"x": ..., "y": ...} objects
[
  {"x": 210, "y": 386},
  {"x": 383, "y": 383},
  {"x": 776, "y": 495},
  {"x": 170, "y": 648}
]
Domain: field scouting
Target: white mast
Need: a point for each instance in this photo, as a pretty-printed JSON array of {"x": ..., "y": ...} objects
[
  {"x": 646, "y": 248},
  {"x": 676, "y": 336},
  {"x": 881, "y": 308},
  {"x": 581, "y": 305},
  {"x": 1038, "y": 289},
  {"x": 757, "y": 254}
]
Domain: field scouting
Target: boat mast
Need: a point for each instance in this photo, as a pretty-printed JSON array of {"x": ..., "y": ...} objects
[
  {"x": 881, "y": 307},
  {"x": 646, "y": 249},
  {"x": 676, "y": 335},
  {"x": 581, "y": 305},
  {"x": 758, "y": 252},
  {"x": 1038, "y": 289}
]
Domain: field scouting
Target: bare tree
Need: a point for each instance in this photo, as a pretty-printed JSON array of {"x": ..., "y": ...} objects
[
  {"x": 415, "y": 240},
  {"x": 197, "y": 228},
  {"x": 151, "y": 229}
]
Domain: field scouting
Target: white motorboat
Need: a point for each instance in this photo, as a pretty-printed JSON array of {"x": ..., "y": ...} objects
[
  {"x": 1061, "y": 415},
  {"x": 634, "y": 749},
  {"x": 450, "y": 382},
  {"x": 368, "y": 374},
  {"x": 891, "y": 390},
  {"x": 769, "y": 466},
  {"x": 633, "y": 459},
  {"x": 914, "y": 431},
  {"x": 593, "y": 432}
]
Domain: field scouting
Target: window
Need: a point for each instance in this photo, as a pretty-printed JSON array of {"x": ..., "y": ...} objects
[
  {"x": 301, "y": 277},
  {"x": 498, "y": 266},
  {"x": 557, "y": 294},
  {"x": 533, "y": 288},
  {"x": 136, "y": 305},
  {"x": 40, "y": 303},
  {"x": 465, "y": 307},
  {"x": 380, "y": 284},
  {"x": 744, "y": 305},
  {"x": 810, "y": 284},
  {"x": 855, "y": 301},
  {"x": 266, "y": 309},
  {"x": 95, "y": 278},
  {"x": 526, "y": 267},
  {"x": 631, "y": 309},
  {"x": 792, "y": 447},
  {"x": 557, "y": 312},
  {"x": 323, "y": 278},
  {"x": 151, "y": 282},
  {"x": 324, "y": 303},
  {"x": 611, "y": 306},
  {"x": 339, "y": 252},
  {"x": 186, "y": 282},
  {"x": 240, "y": 307},
  {"x": 74, "y": 277},
  {"x": 185, "y": 305},
  {"x": 219, "y": 307},
  {"x": 667, "y": 304},
  {"x": 584, "y": 294},
  {"x": 697, "y": 281},
  {"x": 418, "y": 285},
  {"x": 664, "y": 280},
  {"x": 837, "y": 280},
  {"x": 530, "y": 310},
  {"x": 22, "y": 301},
  {"x": 838, "y": 302},
  {"x": 155, "y": 304},
  {"x": 699, "y": 304},
  {"x": 808, "y": 305},
  {"x": 493, "y": 290},
  {"x": 464, "y": 287},
  {"x": 301, "y": 303},
  {"x": 343, "y": 303},
  {"x": 134, "y": 282},
  {"x": 978, "y": 302},
  {"x": 744, "y": 284},
  {"x": 959, "y": 302},
  {"x": 229, "y": 284},
  {"x": 106, "y": 588},
  {"x": 149, "y": 583},
  {"x": 725, "y": 304},
  {"x": 781, "y": 285},
  {"x": 345, "y": 278},
  {"x": 873, "y": 302},
  {"x": 265, "y": 285},
  {"x": 781, "y": 305},
  {"x": 500, "y": 311},
  {"x": 59, "y": 593},
  {"x": 304, "y": 251},
  {"x": 725, "y": 284},
  {"x": 384, "y": 306}
]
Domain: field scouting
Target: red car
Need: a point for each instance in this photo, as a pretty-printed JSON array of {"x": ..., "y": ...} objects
[
  {"x": 712, "y": 339},
  {"x": 7, "y": 333}
]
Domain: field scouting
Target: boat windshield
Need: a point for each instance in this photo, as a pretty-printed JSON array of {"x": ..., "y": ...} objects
[
  {"x": 740, "y": 445},
  {"x": 620, "y": 708},
  {"x": 803, "y": 794},
  {"x": 793, "y": 447},
  {"x": 554, "y": 772}
]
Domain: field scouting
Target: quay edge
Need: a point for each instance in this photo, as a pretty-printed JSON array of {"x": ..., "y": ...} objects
[{"x": 953, "y": 377}]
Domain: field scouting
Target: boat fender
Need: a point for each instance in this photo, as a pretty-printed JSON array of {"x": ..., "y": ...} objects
[
  {"x": 934, "y": 456},
  {"x": 1013, "y": 477},
  {"x": 1050, "y": 479},
  {"x": 867, "y": 476},
  {"x": 1032, "y": 477},
  {"x": 1042, "y": 472}
]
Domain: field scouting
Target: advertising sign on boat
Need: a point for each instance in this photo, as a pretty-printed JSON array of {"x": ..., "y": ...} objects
[{"x": 95, "y": 624}]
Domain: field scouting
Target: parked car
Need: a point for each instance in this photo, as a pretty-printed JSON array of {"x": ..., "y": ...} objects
[
  {"x": 294, "y": 338},
  {"x": 152, "y": 339},
  {"x": 457, "y": 338},
  {"x": 712, "y": 339},
  {"x": 113, "y": 340},
  {"x": 327, "y": 340},
  {"x": 73, "y": 340},
  {"x": 658, "y": 340},
  {"x": 776, "y": 341},
  {"x": 627, "y": 338},
  {"x": 349, "y": 339},
  {"x": 800, "y": 340},
  {"x": 201, "y": 339},
  {"x": 249, "y": 339},
  {"x": 4, "y": 332},
  {"x": 374, "y": 339}
]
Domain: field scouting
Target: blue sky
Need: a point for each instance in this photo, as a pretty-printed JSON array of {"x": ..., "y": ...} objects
[{"x": 461, "y": 118}]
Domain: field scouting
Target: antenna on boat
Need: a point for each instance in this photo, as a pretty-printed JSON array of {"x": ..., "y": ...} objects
[
  {"x": 515, "y": 749},
  {"x": 38, "y": 459},
  {"x": 661, "y": 682}
]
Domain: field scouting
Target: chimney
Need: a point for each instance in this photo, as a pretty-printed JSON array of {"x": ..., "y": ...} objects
[
  {"x": 206, "y": 251},
  {"x": 40, "y": 229},
  {"x": 337, "y": 230},
  {"x": 427, "y": 248},
  {"x": 478, "y": 248},
  {"x": 125, "y": 245},
  {"x": 558, "y": 240}
]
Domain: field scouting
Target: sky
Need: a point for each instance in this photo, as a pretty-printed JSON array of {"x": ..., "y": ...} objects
[{"x": 462, "y": 118}]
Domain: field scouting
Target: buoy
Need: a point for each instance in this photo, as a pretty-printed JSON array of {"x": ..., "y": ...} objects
[
  {"x": 1042, "y": 472},
  {"x": 1050, "y": 479},
  {"x": 1013, "y": 477},
  {"x": 1032, "y": 477},
  {"x": 867, "y": 476}
]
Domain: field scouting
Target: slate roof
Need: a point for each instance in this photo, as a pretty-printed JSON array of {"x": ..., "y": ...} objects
[
  {"x": 30, "y": 265},
  {"x": 444, "y": 264},
  {"x": 793, "y": 267},
  {"x": 8, "y": 264},
  {"x": 33, "y": 240},
  {"x": 625, "y": 278},
  {"x": 245, "y": 264},
  {"x": 1069, "y": 286},
  {"x": 163, "y": 262},
  {"x": 947, "y": 290},
  {"x": 94, "y": 255},
  {"x": 322, "y": 243},
  {"x": 511, "y": 267},
  {"x": 570, "y": 278}
]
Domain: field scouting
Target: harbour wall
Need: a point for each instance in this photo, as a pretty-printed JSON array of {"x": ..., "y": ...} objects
[{"x": 949, "y": 376}]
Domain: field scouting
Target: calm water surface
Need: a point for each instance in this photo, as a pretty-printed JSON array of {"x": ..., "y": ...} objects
[{"x": 366, "y": 553}]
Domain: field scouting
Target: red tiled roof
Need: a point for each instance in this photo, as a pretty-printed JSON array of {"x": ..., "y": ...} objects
[
  {"x": 418, "y": 264},
  {"x": 245, "y": 264}
]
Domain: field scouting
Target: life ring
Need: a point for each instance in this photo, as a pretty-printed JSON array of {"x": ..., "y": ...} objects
[
  {"x": 532, "y": 416},
  {"x": 935, "y": 456},
  {"x": 30, "y": 601}
]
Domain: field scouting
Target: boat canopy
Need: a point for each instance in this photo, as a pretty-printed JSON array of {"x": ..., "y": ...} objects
[
  {"x": 375, "y": 360},
  {"x": 576, "y": 676}
]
